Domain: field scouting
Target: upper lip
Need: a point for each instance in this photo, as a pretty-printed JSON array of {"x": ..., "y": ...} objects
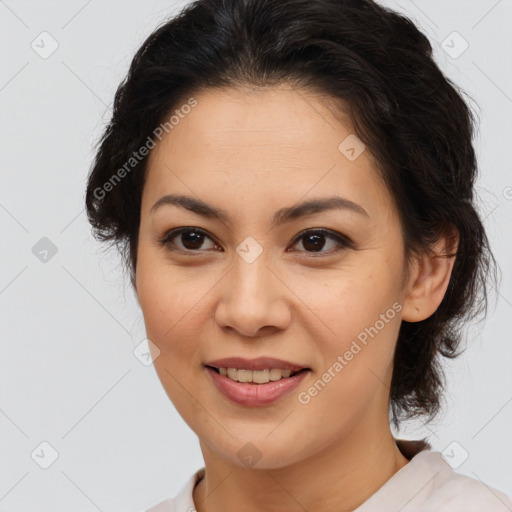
[{"x": 260, "y": 363}]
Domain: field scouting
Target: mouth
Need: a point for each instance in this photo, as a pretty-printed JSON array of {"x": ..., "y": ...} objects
[
  {"x": 255, "y": 388},
  {"x": 256, "y": 376}
]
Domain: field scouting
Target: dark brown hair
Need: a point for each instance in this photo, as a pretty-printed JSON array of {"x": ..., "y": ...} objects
[{"x": 410, "y": 116}]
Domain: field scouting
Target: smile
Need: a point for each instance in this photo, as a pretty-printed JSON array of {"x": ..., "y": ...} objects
[{"x": 252, "y": 393}]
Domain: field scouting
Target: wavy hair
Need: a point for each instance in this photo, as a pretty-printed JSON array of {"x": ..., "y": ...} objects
[{"x": 379, "y": 67}]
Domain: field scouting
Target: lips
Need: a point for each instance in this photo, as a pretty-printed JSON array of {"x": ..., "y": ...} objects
[
  {"x": 255, "y": 395},
  {"x": 260, "y": 363}
]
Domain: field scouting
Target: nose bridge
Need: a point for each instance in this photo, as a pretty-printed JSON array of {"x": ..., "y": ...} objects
[
  {"x": 252, "y": 297},
  {"x": 251, "y": 279}
]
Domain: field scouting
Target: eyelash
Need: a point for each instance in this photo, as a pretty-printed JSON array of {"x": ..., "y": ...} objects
[{"x": 344, "y": 241}]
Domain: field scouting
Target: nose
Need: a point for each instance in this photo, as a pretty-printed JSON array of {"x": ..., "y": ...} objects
[{"x": 254, "y": 301}]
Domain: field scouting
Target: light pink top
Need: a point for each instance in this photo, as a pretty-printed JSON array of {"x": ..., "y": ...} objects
[{"x": 426, "y": 484}]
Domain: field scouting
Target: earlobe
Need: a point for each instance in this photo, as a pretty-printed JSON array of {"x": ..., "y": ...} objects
[{"x": 429, "y": 280}]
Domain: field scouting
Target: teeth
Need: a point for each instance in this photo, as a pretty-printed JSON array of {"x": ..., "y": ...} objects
[{"x": 256, "y": 376}]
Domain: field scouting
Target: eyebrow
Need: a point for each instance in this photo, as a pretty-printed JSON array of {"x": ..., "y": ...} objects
[{"x": 281, "y": 216}]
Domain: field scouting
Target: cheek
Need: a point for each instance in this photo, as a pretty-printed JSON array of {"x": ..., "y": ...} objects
[
  {"x": 170, "y": 302},
  {"x": 166, "y": 292},
  {"x": 355, "y": 367},
  {"x": 351, "y": 299},
  {"x": 357, "y": 319},
  {"x": 167, "y": 297}
]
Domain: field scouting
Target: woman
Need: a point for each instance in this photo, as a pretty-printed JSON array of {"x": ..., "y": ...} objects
[{"x": 291, "y": 186}]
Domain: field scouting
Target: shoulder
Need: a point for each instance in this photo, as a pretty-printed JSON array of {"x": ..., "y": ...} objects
[
  {"x": 451, "y": 491},
  {"x": 438, "y": 487},
  {"x": 428, "y": 483},
  {"x": 183, "y": 501}
]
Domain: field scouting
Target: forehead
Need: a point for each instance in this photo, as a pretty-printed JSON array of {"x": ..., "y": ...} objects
[
  {"x": 274, "y": 143},
  {"x": 270, "y": 117}
]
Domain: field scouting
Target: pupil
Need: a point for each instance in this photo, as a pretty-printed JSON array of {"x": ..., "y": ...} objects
[
  {"x": 315, "y": 246},
  {"x": 192, "y": 239}
]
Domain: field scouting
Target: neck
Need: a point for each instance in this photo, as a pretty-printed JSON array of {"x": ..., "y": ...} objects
[{"x": 341, "y": 477}]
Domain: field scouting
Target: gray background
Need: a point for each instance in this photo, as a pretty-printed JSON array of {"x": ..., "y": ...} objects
[{"x": 69, "y": 325}]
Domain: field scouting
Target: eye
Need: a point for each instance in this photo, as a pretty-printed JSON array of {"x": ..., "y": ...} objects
[
  {"x": 313, "y": 241},
  {"x": 190, "y": 239}
]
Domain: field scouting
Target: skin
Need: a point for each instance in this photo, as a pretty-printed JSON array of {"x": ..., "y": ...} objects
[{"x": 252, "y": 152}]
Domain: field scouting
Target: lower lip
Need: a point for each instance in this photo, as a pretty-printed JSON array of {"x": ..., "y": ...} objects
[{"x": 246, "y": 393}]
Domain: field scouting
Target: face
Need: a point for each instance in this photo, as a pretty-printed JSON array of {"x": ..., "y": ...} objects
[{"x": 251, "y": 283}]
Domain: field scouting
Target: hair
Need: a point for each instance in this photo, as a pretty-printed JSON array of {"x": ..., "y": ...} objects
[{"x": 379, "y": 66}]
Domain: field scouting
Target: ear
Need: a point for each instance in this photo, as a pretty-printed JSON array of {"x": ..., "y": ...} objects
[{"x": 429, "y": 278}]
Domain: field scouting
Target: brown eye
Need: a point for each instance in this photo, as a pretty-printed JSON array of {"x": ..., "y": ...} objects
[
  {"x": 314, "y": 241},
  {"x": 190, "y": 239},
  {"x": 185, "y": 239}
]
